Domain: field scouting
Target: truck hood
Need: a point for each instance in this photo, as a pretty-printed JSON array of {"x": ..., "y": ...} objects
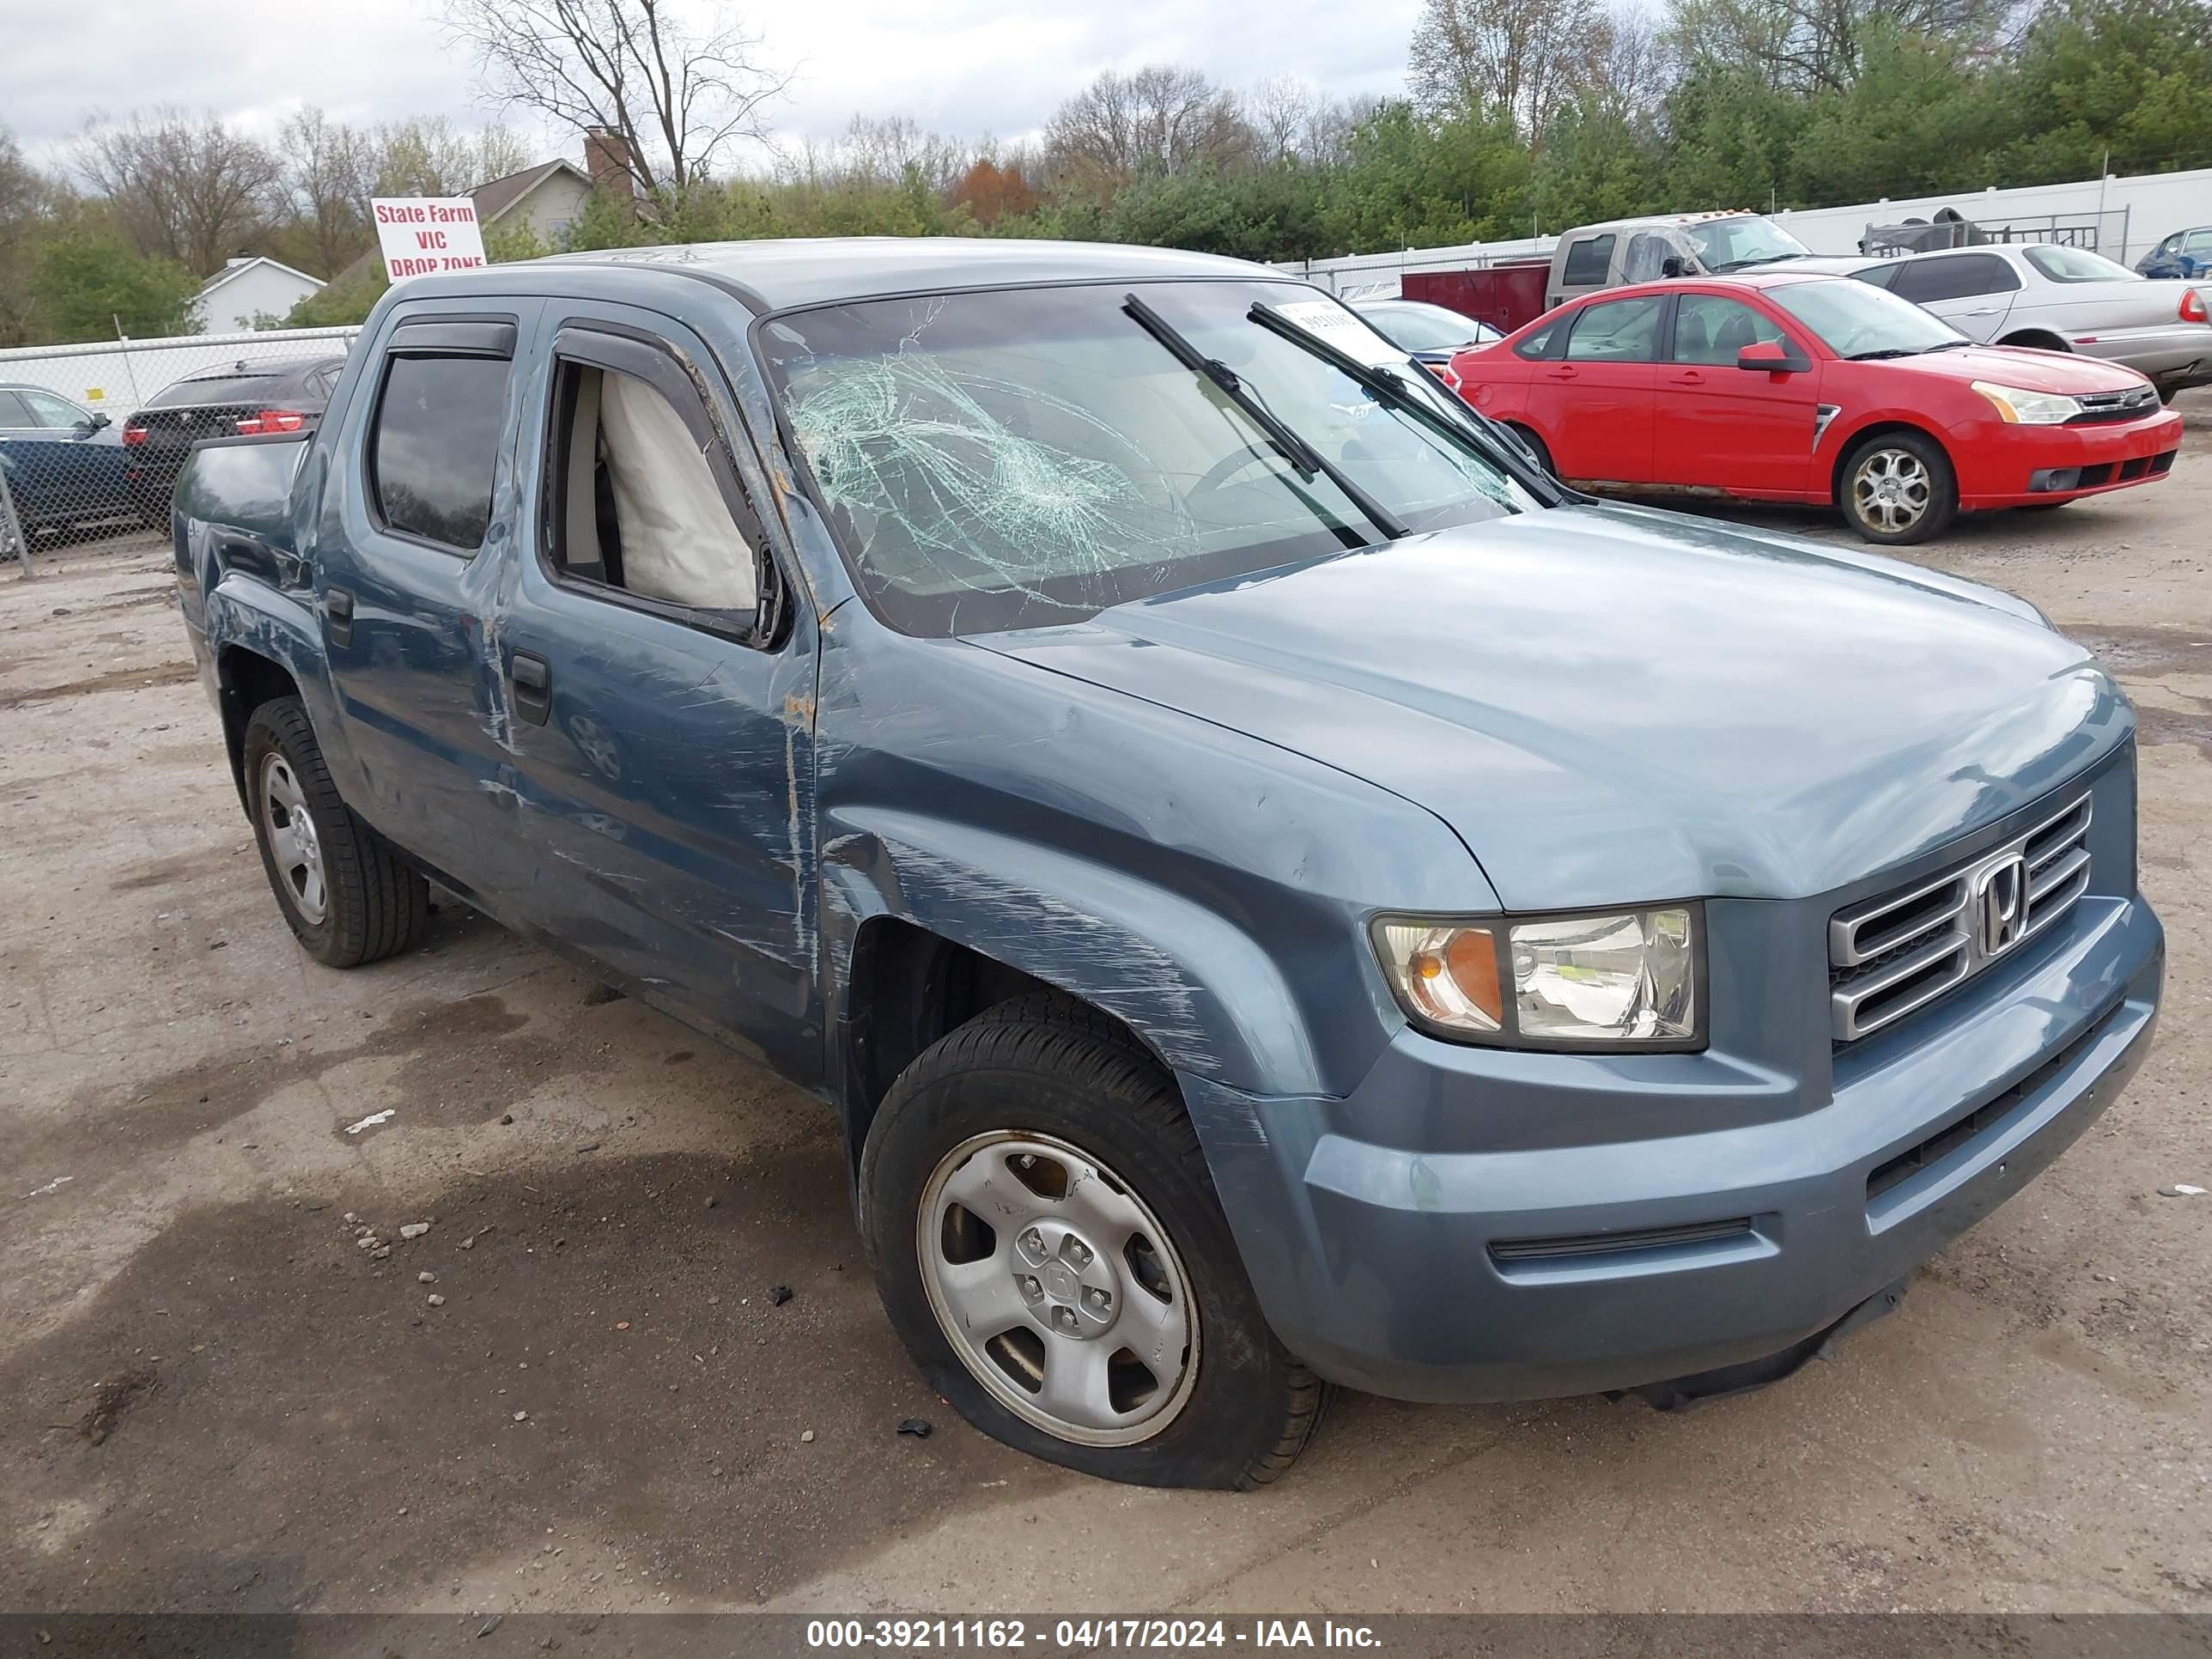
[{"x": 1614, "y": 704}]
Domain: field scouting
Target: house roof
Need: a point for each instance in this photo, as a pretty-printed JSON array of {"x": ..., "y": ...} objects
[
  {"x": 495, "y": 198},
  {"x": 241, "y": 267}
]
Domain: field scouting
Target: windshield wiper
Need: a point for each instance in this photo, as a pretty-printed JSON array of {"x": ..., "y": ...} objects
[
  {"x": 1397, "y": 390},
  {"x": 1950, "y": 345},
  {"x": 1883, "y": 351},
  {"x": 1295, "y": 449}
]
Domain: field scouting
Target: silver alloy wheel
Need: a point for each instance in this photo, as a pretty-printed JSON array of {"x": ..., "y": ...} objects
[
  {"x": 294, "y": 847},
  {"x": 1892, "y": 489},
  {"x": 1058, "y": 1288}
]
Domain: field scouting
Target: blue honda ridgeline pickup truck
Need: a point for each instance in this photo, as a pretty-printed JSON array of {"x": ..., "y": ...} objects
[{"x": 1278, "y": 890}]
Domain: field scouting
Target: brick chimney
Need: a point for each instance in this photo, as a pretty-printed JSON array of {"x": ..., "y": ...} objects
[{"x": 606, "y": 158}]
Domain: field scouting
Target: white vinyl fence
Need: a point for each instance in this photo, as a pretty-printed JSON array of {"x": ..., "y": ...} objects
[{"x": 2127, "y": 218}]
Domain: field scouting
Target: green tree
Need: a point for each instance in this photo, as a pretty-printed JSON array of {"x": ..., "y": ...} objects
[{"x": 89, "y": 281}]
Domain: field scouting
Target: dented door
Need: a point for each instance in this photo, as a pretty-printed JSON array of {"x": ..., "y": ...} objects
[{"x": 664, "y": 769}]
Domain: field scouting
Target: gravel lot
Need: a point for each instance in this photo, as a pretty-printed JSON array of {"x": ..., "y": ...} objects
[{"x": 607, "y": 1410}]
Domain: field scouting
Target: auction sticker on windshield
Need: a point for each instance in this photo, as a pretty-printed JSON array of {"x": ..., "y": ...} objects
[{"x": 1342, "y": 329}]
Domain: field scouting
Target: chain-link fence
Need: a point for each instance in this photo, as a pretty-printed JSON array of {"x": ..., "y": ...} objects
[{"x": 92, "y": 437}]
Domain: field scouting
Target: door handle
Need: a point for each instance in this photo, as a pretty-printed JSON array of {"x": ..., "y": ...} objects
[
  {"x": 1983, "y": 311},
  {"x": 337, "y": 614},
  {"x": 1563, "y": 373},
  {"x": 1690, "y": 377},
  {"x": 533, "y": 686}
]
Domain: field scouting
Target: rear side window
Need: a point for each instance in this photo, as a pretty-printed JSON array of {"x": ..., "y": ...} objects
[
  {"x": 1880, "y": 276},
  {"x": 1588, "y": 261},
  {"x": 439, "y": 422},
  {"x": 1616, "y": 332},
  {"x": 1538, "y": 343},
  {"x": 1955, "y": 276}
]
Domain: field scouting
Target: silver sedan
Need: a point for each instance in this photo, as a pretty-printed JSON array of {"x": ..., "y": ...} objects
[{"x": 2061, "y": 299}]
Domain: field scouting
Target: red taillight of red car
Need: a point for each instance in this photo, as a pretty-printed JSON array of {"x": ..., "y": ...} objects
[
  {"x": 1449, "y": 375},
  {"x": 2192, "y": 307},
  {"x": 134, "y": 433},
  {"x": 270, "y": 420}
]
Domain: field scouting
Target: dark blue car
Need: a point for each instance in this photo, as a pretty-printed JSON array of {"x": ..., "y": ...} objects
[
  {"x": 2185, "y": 253},
  {"x": 66, "y": 465},
  {"x": 1276, "y": 890}
]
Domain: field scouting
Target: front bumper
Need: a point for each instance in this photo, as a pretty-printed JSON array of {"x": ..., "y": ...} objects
[
  {"x": 2022, "y": 465},
  {"x": 1500, "y": 1274}
]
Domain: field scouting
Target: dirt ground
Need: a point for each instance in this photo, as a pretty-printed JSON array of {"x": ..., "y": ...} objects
[{"x": 212, "y": 1398}]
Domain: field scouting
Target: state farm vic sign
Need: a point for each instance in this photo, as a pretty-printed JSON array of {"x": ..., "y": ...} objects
[{"x": 420, "y": 234}]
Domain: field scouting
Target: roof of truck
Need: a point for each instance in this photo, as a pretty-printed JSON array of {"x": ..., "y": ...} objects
[{"x": 772, "y": 275}]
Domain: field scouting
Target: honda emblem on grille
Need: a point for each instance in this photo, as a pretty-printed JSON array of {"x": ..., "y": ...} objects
[{"x": 2001, "y": 903}]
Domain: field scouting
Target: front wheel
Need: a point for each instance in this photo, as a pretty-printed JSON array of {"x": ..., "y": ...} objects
[
  {"x": 1898, "y": 488},
  {"x": 1048, "y": 1244},
  {"x": 347, "y": 894}
]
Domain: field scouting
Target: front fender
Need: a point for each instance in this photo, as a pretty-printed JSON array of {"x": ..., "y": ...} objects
[{"x": 1205, "y": 995}]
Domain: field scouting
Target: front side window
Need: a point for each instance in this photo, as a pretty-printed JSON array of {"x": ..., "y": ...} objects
[
  {"x": 2074, "y": 264},
  {"x": 1018, "y": 459},
  {"x": 2197, "y": 244},
  {"x": 1588, "y": 261},
  {"x": 1709, "y": 329},
  {"x": 436, "y": 445},
  {"x": 639, "y": 507},
  {"x": 14, "y": 412},
  {"x": 53, "y": 412},
  {"x": 1617, "y": 332},
  {"x": 1646, "y": 259}
]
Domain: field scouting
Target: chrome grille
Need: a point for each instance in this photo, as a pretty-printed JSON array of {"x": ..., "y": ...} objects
[
  {"x": 1901, "y": 950},
  {"x": 2099, "y": 407}
]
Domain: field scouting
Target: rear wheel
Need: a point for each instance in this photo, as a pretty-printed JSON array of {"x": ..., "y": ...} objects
[
  {"x": 1897, "y": 489},
  {"x": 1048, "y": 1246},
  {"x": 347, "y": 894},
  {"x": 1535, "y": 444}
]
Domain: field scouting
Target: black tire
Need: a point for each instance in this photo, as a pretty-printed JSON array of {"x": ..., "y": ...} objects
[
  {"x": 1899, "y": 449},
  {"x": 1045, "y": 1066},
  {"x": 375, "y": 904},
  {"x": 1535, "y": 443}
]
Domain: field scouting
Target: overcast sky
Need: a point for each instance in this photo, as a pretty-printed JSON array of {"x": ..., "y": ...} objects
[{"x": 961, "y": 67}]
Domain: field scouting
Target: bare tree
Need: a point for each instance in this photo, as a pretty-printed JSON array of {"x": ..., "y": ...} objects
[
  {"x": 330, "y": 172},
  {"x": 1814, "y": 45},
  {"x": 431, "y": 156},
  {"x": 1525, "y": 58},
  {"x": 1282, "y": 107},
  {"x": 1162, "y": 118},
  {"x": 182, "y": 187},
  {"x": 678, "y": 98}
]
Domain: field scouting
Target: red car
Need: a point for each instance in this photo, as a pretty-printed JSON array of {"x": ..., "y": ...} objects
[{"x": 1788, "y": 387}]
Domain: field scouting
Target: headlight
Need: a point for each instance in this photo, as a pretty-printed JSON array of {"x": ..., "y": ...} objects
[
  {"x": 2018, "y": 407},
  {"x": 1618, "y": 979}
]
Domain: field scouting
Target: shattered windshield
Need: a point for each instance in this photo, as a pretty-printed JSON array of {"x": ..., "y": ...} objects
[
  {"x": 1725, "y": 245},
  {"x": 1017, "y": 459}
]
